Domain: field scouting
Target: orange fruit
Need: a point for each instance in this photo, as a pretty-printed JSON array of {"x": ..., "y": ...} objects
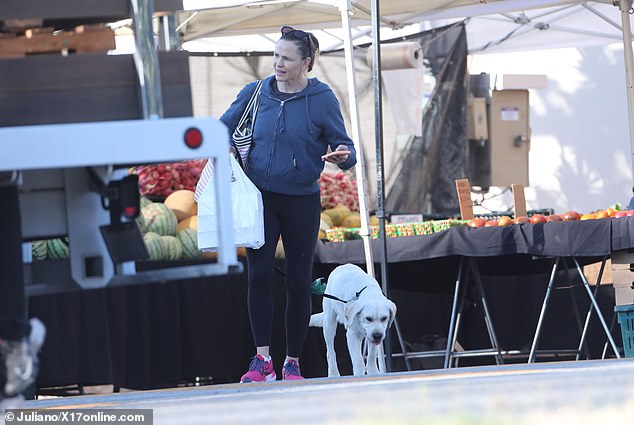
[
  {"x": 601, "y": 214},
  {"x": 588, "y": 216}
]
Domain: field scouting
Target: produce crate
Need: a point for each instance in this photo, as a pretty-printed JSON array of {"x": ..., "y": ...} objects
[{"x": 626, "y": 320}]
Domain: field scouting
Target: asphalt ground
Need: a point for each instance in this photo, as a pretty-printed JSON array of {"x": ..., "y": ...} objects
[{"x": 583, "y": 392}]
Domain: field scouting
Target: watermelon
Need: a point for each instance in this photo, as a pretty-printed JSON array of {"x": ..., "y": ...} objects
[
  {"x": 154, "y": 245},
  {"x": 159, "y": 219},
  {"x": 189, "y": 241},
  {"x": 144, "y": 200},
  {"x": 141, "y": 222},
  {"x": 173, "y": 248},
  {"x": 38, "y": 250},
  {"x": 57, "y": 249}
]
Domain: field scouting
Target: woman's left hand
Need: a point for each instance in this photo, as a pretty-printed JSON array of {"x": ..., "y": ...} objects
[{"x": 337, "y": 156}]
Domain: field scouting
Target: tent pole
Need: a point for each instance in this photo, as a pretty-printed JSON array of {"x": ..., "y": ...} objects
[
  {"x": 624, "y": 7},
  {"x": 378, "y": 134},
  {"x": 345, "y": 8}
]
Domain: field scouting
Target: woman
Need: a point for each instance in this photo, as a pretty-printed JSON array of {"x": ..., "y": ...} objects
[{"x": 298, "y": 119}]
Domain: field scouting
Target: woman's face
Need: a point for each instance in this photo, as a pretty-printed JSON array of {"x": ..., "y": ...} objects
[{"x": 288, "y": 63}]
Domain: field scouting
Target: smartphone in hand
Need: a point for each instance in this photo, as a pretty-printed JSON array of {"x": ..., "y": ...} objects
[{"x": 334, "y": 154}]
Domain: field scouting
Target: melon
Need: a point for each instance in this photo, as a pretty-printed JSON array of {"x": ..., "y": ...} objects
[
  {"x": 141, "y": 223},
  {"x": 189, "y": 241},
  {"x": 182, "y": 203},
  {"x": 57, "y": 249},
  {"x": 173, "y": 248},
  {"x": 325, "y": 222},
  {"x": 188, "y": 223},
  {"x": 210, "y": 255},
  {"x": 154, "y": 245},
  {"x": 159, "y": 218},
  {"x": 352, "y": 220},
  {"x": 337, "y": 214},
  {"x": 38, "y": 250},
  {"x": 143, "y": 201}
]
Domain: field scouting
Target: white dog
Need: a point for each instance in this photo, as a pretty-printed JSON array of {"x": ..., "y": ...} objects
[{"x": 357, "y": 302}]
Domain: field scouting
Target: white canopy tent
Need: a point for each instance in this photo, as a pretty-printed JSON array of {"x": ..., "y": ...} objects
[{"x": 493, "y": 25}]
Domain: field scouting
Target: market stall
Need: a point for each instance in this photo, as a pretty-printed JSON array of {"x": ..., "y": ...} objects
[{"x": 164, "y": 335}]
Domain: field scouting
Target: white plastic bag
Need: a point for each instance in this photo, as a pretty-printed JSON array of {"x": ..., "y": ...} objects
[{"x": 248, "y": 212}]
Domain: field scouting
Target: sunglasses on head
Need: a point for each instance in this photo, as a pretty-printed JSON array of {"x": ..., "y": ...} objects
[{"x": 298, "y": 34}]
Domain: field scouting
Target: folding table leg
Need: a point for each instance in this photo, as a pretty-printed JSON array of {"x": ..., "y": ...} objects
[
  {"x": 596, "y": 306},
  {"x": 538, "y": 330},
  {"x": 587, "y": 322},
  {"x": 454, "y": 307},
  {"x": 487, "y": 316},
  {"x": 401, "y": 342}
]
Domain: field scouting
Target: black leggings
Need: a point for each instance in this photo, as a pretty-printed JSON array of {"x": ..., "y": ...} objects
[{"x": 296, "y": 219}]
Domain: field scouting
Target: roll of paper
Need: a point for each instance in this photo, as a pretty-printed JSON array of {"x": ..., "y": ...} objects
[{"x": 404, "y": 55}]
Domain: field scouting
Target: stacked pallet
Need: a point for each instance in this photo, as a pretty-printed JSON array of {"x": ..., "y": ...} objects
[{"x": 24, "y": 38}]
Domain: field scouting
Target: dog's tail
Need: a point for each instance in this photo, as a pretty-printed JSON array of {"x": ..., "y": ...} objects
[{"x": 317, "y": 320}]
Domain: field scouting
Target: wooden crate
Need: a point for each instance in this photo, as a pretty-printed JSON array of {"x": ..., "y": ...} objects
[
  {"x": 54, "y": 89},
  {"x": 591, "y": 271},
  {"x": 84, "y": 39}
]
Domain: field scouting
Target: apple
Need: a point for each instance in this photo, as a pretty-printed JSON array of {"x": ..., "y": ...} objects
[
  {"x": 537, "y": 218},
  {"x": 522, "y": 219},
  {"x": 571, "y": 216},
  {"x": 630, "y": 213},
  {"x": 553, "y": 217},
  {"x": 476, "y": 222},
  {"x": 588, "y": 216},
  {"x": 619, "y": 214},
  {"x": 491, "y": 223}
]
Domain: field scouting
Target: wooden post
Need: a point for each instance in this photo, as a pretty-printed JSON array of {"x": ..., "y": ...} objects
[
  {"x": 519, "y": 200},
  {"x": 463, "y": 188}
]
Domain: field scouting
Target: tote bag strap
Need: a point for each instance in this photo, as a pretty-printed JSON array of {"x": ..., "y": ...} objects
[{"x": 252, "y": 106}]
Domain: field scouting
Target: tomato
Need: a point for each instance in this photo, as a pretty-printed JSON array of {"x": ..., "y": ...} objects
[
  {"x": 553, "y": 217},
  {"x": 537, "y": 218},
  {"x": 571, "y": 216},
  {"x": 476, "y": 222}
]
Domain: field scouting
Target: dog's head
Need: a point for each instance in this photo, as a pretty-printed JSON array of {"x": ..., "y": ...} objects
[{"x": 373, "y": 316}]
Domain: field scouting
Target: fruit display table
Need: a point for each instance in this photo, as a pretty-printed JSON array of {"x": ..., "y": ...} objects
[
  {"x": 556, "y": 245},
  {"x": 163, "y": 334}
]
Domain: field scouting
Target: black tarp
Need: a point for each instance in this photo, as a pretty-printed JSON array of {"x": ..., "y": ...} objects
[{"x": 423, "y": 179}]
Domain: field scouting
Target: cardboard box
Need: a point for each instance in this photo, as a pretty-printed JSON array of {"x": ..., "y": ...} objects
[
  {"x": 623, "y": 295},
  {"x": 591, "y": 271},
  {"x": 510, "y": 137},
  {"x": 623, "y": 260},
  {"x": 622, "y": 277}
]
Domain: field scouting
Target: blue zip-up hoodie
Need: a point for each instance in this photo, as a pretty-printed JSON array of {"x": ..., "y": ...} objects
[{"x": 290, "y": 136}]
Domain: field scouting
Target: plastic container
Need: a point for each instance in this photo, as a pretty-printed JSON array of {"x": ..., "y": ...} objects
[{"x": 626, "y": 320}]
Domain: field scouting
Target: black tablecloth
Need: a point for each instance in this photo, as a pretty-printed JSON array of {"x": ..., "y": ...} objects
[
  {"x": 159, "y": 335},
  {"x": 588, "y": 238}
]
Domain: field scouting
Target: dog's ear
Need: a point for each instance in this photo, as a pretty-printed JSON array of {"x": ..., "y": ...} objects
[
  {"x": 350, "y": 311},
  {"x": 392, "y": 313}
]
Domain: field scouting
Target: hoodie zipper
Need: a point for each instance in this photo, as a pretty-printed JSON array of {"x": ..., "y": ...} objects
[{"x": 278, "y": 128}]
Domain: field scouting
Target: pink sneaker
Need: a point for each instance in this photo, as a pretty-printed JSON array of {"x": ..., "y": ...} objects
[
  {"x": 290, "y": 371},
  {"x": 259, "y": 371}
]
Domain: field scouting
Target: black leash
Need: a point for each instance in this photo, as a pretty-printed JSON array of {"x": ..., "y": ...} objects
[
  {"x": 318, "y": 286},
  {"x": 356, "y": 296}
]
